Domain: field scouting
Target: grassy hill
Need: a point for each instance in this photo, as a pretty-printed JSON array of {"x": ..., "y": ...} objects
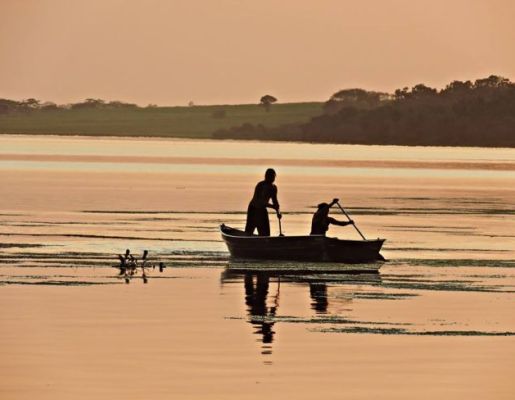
[{"x": 186, "y": 122}]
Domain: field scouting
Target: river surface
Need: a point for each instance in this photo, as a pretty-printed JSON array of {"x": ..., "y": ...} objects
[{"x": 437, "y": 321}]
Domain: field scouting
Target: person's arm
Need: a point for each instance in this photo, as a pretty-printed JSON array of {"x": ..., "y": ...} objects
[
  {"x": 340, "y": 223},
  {"x": 273, "y": 197}
]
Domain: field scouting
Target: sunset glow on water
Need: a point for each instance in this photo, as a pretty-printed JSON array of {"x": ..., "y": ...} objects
[{"x": 437, "y": 320}]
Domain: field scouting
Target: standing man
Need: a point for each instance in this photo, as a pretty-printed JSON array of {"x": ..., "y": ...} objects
[{"x": 257, "y": 214}]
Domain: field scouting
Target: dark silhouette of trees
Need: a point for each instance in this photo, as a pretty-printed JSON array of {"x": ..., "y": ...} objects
[
  {"x": 462, "y": 114},
  {"x": 48, "y": 106},
  {"x": 118, "y": 104},
  {"x": 89, "y": 103},
  {"x": 457, "y": 87},
  {"x": 101, "y": 104},
  {"x": 31, "y": 104},
  {"x": 422, "y": 91},
  {"x": 492, "y": 81},
  {"x": 357, "y": 98},
  {"x": 266, "y": 101},
  {"x": 7, "y": 106}
]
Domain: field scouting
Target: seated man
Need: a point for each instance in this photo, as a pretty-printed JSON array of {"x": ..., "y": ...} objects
[{"x": 321, "y": 219}]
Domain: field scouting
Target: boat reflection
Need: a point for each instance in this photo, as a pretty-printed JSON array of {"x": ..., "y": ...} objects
[{"x": 262, "y": 289}]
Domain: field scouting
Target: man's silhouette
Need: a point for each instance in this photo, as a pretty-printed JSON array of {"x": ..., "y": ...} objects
[
  {"x": 321, "y": 219},
  {"x": 257, "y": 214}
]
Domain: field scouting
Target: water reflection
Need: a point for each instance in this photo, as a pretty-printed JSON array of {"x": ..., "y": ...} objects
[
  {"x": 318, "y": 293},
  {"x": 261, "y": 316},
  {"x": 262, "y": 290}
]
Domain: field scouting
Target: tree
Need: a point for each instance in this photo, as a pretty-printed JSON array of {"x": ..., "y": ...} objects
[
  {"x": 422, "y": 90},
  {"x": 492, "y": 81},
  {"x": 49, "y": 106},
  {"x": 267, "y": 100},
  {"x": 357, "y": 98},
  {"x": 30, "y": 103},
  {"x": 89, "y": 103},
  {"x": 7, "y": 105},
  {"x": 458, "y": 87},
  {"x": 401, "y": 94}
]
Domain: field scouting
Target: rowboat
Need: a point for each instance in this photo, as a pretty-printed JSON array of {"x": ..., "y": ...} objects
[{"x": 313, "y": 248}]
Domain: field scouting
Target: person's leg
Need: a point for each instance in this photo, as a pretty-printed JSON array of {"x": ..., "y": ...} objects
[
  {"x": 251, "y": 220},
  {"x": 267, "y": 224},
  {"x": 263, "y": 224}
]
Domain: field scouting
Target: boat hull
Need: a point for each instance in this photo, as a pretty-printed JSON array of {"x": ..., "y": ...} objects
[{"x": 314, "y": 248}]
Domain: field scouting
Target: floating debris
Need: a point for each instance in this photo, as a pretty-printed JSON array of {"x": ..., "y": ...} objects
[{"x": 131, "y": 266}]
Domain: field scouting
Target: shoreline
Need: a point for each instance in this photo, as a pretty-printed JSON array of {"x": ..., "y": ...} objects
[
  {"x": 189, "y": 138},
  {"x": 212, "y": 139}
]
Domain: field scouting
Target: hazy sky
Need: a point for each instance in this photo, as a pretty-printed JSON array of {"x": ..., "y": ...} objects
[{"x": 223, "y": 51}]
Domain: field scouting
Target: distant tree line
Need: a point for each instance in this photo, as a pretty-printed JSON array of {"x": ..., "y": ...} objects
[
  {"x": 12, "y": 106},
  {"x": 480, "y": 113},
  {"x": 28, "y": 105}
]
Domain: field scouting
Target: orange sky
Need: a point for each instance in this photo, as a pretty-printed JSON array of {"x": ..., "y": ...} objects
[{"x": 226, "y": 51}]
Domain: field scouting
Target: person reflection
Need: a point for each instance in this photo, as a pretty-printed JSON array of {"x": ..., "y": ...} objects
[
  {"x": 318, "y": 293},
  {"x": 261, "y": 316}
]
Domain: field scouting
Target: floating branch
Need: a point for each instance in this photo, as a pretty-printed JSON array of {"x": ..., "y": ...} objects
[{"x": 131, "y": 266}]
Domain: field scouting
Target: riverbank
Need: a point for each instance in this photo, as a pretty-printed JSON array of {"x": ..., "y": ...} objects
[
  {"x": 290, "y": 122},
  {"x": 181, "y": 122}
]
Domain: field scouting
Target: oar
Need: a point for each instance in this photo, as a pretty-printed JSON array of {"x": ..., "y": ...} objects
[
  {"x": 347, "y": 215},
  {"x": 279, "y": 216}
]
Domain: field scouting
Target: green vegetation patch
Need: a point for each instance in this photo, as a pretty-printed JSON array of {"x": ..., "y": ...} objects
[{"x": 184, "y": 122}]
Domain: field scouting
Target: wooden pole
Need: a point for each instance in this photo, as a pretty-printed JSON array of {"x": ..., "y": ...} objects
[{"x": 347, "y": 215}]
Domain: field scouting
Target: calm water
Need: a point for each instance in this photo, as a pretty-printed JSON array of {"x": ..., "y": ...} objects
[{"x": 437, "y": 320}]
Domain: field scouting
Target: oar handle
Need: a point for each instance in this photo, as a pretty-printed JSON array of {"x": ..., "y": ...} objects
[
  {"x": 354, "y": 225},
  {"x": 279, "y": 216}
]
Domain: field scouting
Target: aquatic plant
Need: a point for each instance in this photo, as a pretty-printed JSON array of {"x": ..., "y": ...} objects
[{"x": 130, "y": 266}]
